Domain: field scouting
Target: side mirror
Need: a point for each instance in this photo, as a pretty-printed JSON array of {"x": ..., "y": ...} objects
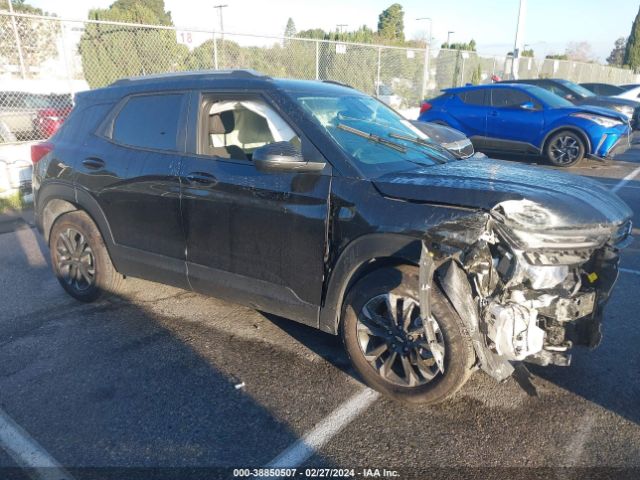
[
  {"x": 282, "y": 157},
  {"x": 527, "y": 106}
]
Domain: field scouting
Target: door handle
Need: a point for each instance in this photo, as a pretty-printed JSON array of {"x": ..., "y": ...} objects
[
  {"x": 93, "y": 163},
  {"x": 202, "y": 178}
]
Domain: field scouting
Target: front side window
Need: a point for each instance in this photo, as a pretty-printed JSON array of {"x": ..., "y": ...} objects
[
  {"x": 149, "y": 121},
  {"x": 509, "y": 98},
  {"x": 378, "y": 139},
  {"x": 236, "y": 128}
]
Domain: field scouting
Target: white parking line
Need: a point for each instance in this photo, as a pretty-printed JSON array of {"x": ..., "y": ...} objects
[
  {"x": 625, "y": 180},
  {"x": 628, "y": 270},
  {"x": 27, "y": 453},
  {"x": 324, "y": 431}
]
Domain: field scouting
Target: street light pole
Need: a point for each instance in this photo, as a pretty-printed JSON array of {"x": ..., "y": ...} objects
[
  {"x": 517, "y": 48},
  {"x": 220, "y": 7},
  {"x": 427, "y": 55},
  {"x": 449, "y": 39}
]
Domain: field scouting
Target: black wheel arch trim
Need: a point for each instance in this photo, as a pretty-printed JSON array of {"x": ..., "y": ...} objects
[
  {"x": 79, "y": 199},
  {"x": 572, "y": 128},
  {"x": 361, "y": 256}
]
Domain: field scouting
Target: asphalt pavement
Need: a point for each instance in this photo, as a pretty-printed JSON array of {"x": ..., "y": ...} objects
[{"x": 166, "y": 383}]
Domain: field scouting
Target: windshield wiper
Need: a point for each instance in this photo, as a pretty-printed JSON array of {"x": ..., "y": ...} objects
[
  {"x": 374, "y": 138},
  {"x": 426, "y": 143}
]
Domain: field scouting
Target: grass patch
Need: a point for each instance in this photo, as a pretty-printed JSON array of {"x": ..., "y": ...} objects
[{"x": 11, "y": 202}]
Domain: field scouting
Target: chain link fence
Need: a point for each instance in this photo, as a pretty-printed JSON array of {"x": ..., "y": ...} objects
[{"x": 45, "y": 60}]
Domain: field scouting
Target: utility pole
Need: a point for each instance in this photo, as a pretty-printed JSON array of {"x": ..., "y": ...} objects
[
  {"x": 220, "y": 7},
  {"x": 340, "y": 28},
  {"x": 517, "y": 48},
  {"x": 427, "y": 55},
  {"x": 23, "y": 70},
  {"x": 449, "y": 39}
]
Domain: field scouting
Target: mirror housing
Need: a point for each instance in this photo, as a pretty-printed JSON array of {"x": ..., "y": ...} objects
[
  {"x": 283, "y": 157},
  {"x": 527, "y": 106}
]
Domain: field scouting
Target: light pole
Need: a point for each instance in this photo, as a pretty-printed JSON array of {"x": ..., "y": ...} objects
[
  {"x": 427, "y": 55},
  {"x": 515, "y": 62},
  {"x": 449, "y": 39},
  {"x": 340, "y": 28},
  {"x": 220, "y": 7}
]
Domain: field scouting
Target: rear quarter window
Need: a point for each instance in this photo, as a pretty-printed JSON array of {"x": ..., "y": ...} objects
[{"x": 149, "y": 121}]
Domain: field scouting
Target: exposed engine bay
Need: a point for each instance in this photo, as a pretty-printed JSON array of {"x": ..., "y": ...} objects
[{"x": 527, "y": 287}]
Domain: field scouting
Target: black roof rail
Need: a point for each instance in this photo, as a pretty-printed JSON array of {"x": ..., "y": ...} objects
[
  {"x": 334, "y": 82},
  {"x": 248, "y": 73}
]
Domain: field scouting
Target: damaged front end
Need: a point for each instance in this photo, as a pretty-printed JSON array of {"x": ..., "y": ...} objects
[{"x": 527, "y": 286}]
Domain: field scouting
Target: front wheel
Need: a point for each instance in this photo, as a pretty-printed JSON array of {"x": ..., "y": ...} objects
[
  {"x": 565, "y": 149},
  {"x": 385, "y": 338}
]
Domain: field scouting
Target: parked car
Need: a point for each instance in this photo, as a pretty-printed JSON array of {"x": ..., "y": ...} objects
[
  {"x": 632, "y": 93},
  {"x": 49, "y": 119},
  {"x": 319, "y": 203},
  {"x": 387, "y": 95},
  {"x": 581, "y": 96},
  {"x": 456, "y": 142},
  {"x": 31, "y": 116},
  {"x": 603, "y": 89},
  {"x": 18, "y": 111},
  {"x": 521, "y": 118}
]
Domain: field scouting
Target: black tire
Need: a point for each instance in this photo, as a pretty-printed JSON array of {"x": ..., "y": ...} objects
[
  {"x": 459, "y": 356},
  {"x": 80, "y": 259},
  {"x": 565, "y": 149}
]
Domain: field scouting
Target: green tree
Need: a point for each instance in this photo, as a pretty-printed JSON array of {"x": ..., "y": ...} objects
[
  {"x": 527, "y": 53},
  {"x": 109, "y": 52},
  {"x": 37, "y": 37},
  {"x": 471, "y": 46},
  {"x": 557, "y": 56},
  {"x": 616, "y": 57},
  {"x": 391, "y": 23},
  {"x": 290, "y": 29},
  {"x": 632, "y": 52},
  {"x": 476, "y": 77}
]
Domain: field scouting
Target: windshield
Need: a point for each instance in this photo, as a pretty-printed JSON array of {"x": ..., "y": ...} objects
[
  {"x": 379, "y": 140},
  {"x": 549, "y": 98},
  {"x": 578, "y": 89}
]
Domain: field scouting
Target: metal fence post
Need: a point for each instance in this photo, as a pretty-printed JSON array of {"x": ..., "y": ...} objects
[
  {"x": 317, "y": 59},
  {"x": 425, "y": 71},
  {"x": 378, "y": 80},
  {"x": 18, "y": 43}
]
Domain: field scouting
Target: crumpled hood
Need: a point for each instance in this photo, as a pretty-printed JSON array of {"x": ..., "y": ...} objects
[{"x": 575, "y": 201}]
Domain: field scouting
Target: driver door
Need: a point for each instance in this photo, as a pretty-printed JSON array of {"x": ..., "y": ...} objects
[
  {"x": 252, "y": 237},
  {"x": 511, "y": 126}
]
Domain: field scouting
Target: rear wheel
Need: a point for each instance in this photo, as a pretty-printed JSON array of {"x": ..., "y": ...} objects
[
  {"x": 80, "y": 258},
  {"x": 385, "y": 338},
  {"x": 565, "y": 149}
]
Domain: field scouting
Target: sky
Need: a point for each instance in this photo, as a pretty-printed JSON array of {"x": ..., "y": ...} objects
[{"x": 549, "y": 26}]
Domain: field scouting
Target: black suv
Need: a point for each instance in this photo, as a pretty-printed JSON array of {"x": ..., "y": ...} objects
[
  {"x": 579, "y": 95},
  {"x": 316, "y": 202}
]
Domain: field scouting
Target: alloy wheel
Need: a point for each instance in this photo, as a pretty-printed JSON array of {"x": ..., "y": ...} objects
[
  {"x": 565, "y": 150},
  {"x": 392, "y": 338},
  {"x": 75, "y": 260}
]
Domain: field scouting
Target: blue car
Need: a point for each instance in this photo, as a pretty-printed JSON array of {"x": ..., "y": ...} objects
[{"x": 519, "y": 118}]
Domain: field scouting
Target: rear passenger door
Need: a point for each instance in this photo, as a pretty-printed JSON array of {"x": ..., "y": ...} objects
[
  {"x": 472, "y": 114},
  {"x": 510, "y": 124},
  {"x": 133, "y": 173},
  {"x": 253, "y": 237}
]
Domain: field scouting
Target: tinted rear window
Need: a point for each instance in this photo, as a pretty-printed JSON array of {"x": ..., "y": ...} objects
[
  {"x": 149, "y": 121},
  {"x": 473, "y": 97}
]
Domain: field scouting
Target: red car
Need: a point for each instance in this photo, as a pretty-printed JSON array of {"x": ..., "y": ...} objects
[{"x": 49, "y": 119}]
